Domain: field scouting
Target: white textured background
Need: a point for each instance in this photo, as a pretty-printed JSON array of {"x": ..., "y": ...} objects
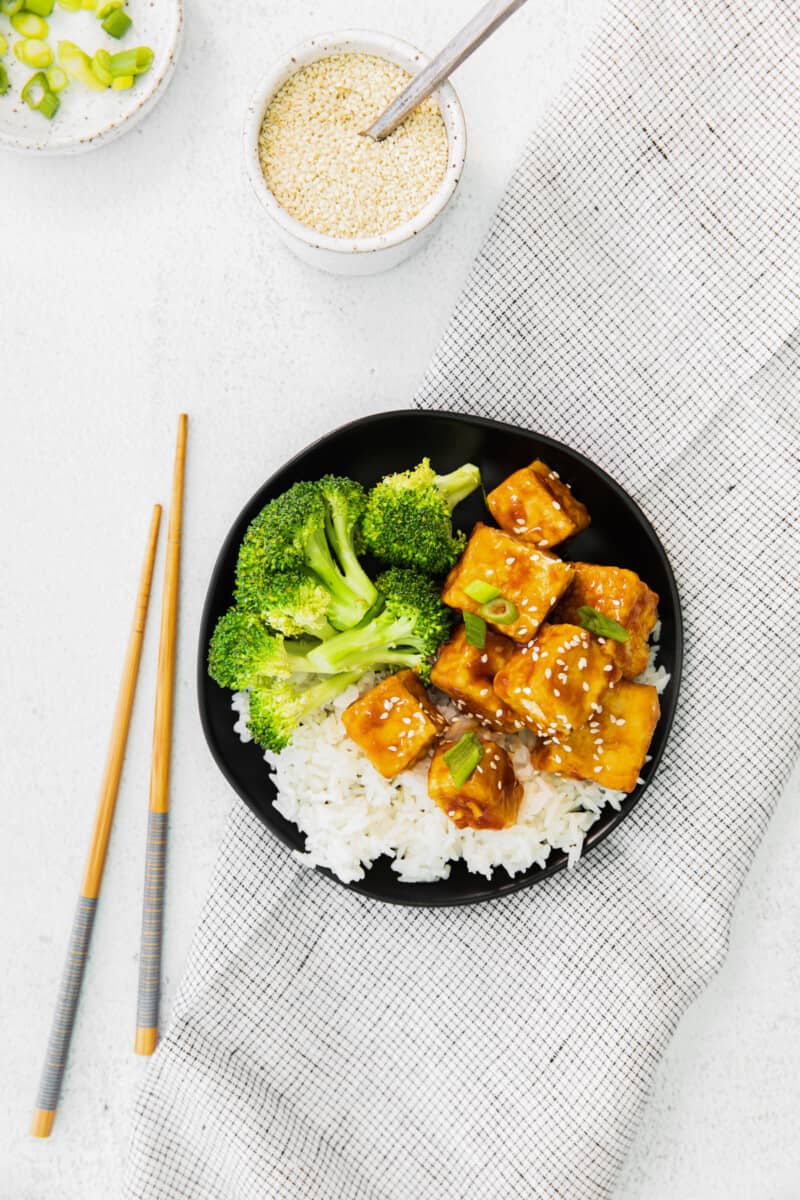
[{"x": 140, "y": 280}]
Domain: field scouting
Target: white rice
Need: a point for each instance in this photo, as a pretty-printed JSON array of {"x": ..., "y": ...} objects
[{"x": 351, "y": 815}]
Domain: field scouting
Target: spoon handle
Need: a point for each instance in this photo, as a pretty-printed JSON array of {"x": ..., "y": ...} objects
[{"x": 474, "y": 33}]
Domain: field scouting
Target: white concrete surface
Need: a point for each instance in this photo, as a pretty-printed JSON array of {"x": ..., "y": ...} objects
[{"x": 141, "y": 280}]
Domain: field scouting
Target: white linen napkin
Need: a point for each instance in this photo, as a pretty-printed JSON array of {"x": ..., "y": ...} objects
[{"x": 636, "y": 298}]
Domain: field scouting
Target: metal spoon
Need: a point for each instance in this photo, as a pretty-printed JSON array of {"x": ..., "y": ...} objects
[{"x": 474, "y": 33}]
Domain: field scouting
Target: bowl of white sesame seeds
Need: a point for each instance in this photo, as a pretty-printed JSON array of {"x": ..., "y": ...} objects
[{"x": 341, "y": 201}]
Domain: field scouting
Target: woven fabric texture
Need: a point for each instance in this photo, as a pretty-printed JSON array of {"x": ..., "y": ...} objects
[{"x": 636, "y": 297}]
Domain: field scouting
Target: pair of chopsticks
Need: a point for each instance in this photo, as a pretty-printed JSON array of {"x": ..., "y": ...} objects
[{"x": 153, "y": 904}]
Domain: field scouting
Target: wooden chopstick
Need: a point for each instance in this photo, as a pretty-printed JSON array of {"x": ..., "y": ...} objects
[
  {"x": 69, "y": 990},
  {"x": 155, "y": 860}
]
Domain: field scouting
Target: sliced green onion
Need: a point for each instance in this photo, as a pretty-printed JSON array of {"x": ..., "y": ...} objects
[
  {"x": 3, "y": 80},
  {"x": 500, "y": 611},
  {"x": 88, "y": 5},
  {"x": 57, "y": 79},
  {"x": 37, "y": 95},
  {"x": 463, "y": 758},
  {"x": 78, "y": 65},
  {"x": 29, "y": 25},
  {"x": 42, "y": 7},
  {"x": 132, "y": 62},
  {"x": 601, "y": 625},
  {"x": 475, "y": 630},
  {"x": 123, "y": 82},
  {"x": 104, "y": 7},
  {"x": 117, "y": 23},
  {"x": 3, "y": 45},
  {"x": 70, "y": 5},
  {"x": 101, "y": 67},
  {"x": 481, "y": 592},
  {"x": 10, "y": 7},
  {"x": 33, "y": 52}
]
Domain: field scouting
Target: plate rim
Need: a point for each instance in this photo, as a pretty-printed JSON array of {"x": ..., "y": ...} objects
[{"x": 594, "y": 836}]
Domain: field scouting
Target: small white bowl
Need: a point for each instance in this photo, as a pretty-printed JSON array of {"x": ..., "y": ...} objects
[
  {"x": 88, "y": 119},
  {"x": 367, "y": 255}
]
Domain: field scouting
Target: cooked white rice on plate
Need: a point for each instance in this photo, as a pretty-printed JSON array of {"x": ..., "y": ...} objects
[{"x": 351, "y": 815}]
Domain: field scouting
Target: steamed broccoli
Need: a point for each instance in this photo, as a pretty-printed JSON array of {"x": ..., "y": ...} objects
[
  {"x": 243, "y": 652},
  {"x": 286, "y": 570},
  {"x": 408, "y": 517},
  {"x": 407, "y": 631},
  {"x": 277, "y": 706}
]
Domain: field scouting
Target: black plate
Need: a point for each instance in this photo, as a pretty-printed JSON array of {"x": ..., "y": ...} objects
[{"x": 366, "y": 450}]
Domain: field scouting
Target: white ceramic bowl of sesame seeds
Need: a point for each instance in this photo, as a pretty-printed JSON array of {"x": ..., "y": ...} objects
[{"x": 349, "y": 240}]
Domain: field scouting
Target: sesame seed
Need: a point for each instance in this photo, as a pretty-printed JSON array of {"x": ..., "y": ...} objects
[
  {"x": 556, "y": 504},
  {"x": 324, "y": 173},
  {"x": 582, "y": 664},
  {"x": 585, "y": 686}
]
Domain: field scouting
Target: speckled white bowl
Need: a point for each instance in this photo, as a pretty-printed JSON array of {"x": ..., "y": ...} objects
[
  {"x": 89, "y": 119},
  {"x": 368, "y": 255}
]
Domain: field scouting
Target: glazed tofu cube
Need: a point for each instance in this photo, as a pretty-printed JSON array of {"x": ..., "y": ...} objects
[
  {"x": 531, "y": 579},
  {"x": 466, "y": 673},
  {"x": 536, "y": 506},
  {"x": 395, "y": 723},
  {"x": 611, "y": 747},
  {"x": 619, "y": 594},
  {"x": 489, "y": 799},
  {"x": 557, "y": 682}
]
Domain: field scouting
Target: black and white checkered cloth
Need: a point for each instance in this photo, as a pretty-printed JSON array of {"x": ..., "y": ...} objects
[{"x": 636, "y": 297}]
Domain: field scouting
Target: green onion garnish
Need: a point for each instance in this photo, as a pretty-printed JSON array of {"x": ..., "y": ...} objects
[
  {"x": 29, "y": 25},
  {"x": 463, "y": 758},
  {"x": 481, "y": 592},
  {"x": 123, "y": 82},
  {"x": 37, "y": 95},
  {"x": 42, "y": 8},
  {"x": 101, "y": 67},
  {"x": 475, "y": 630},
  {"x": 104, "y": 7},
  {"x": 500, "y": 611},
  {"x": 70, "y": 5},
  {"x": 117, "y": 23},
  {"x": 132, "y": 62},
  {"x": 3, "y": 45},
  {"x": 3, "y": 80},
  {"x": 10, "y": 7},
  {"x": 57, "y": 79},
  {"x": 78, "y": 65},
  {"x": 33, "y": 52},
  {"x": 601, "y": 625}
]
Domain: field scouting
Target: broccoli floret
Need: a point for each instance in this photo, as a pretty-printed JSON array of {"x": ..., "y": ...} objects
[
  {"x": 346, "y": 501},
  {"x": 277, "y": 707},
  {"x": 293, "y": 602},
  {"x": 408, "y": 518},
  {"x": 407, "y": 632},
  {"x": 286, "y": 567},
  {"x": 243, "y": 652}
]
